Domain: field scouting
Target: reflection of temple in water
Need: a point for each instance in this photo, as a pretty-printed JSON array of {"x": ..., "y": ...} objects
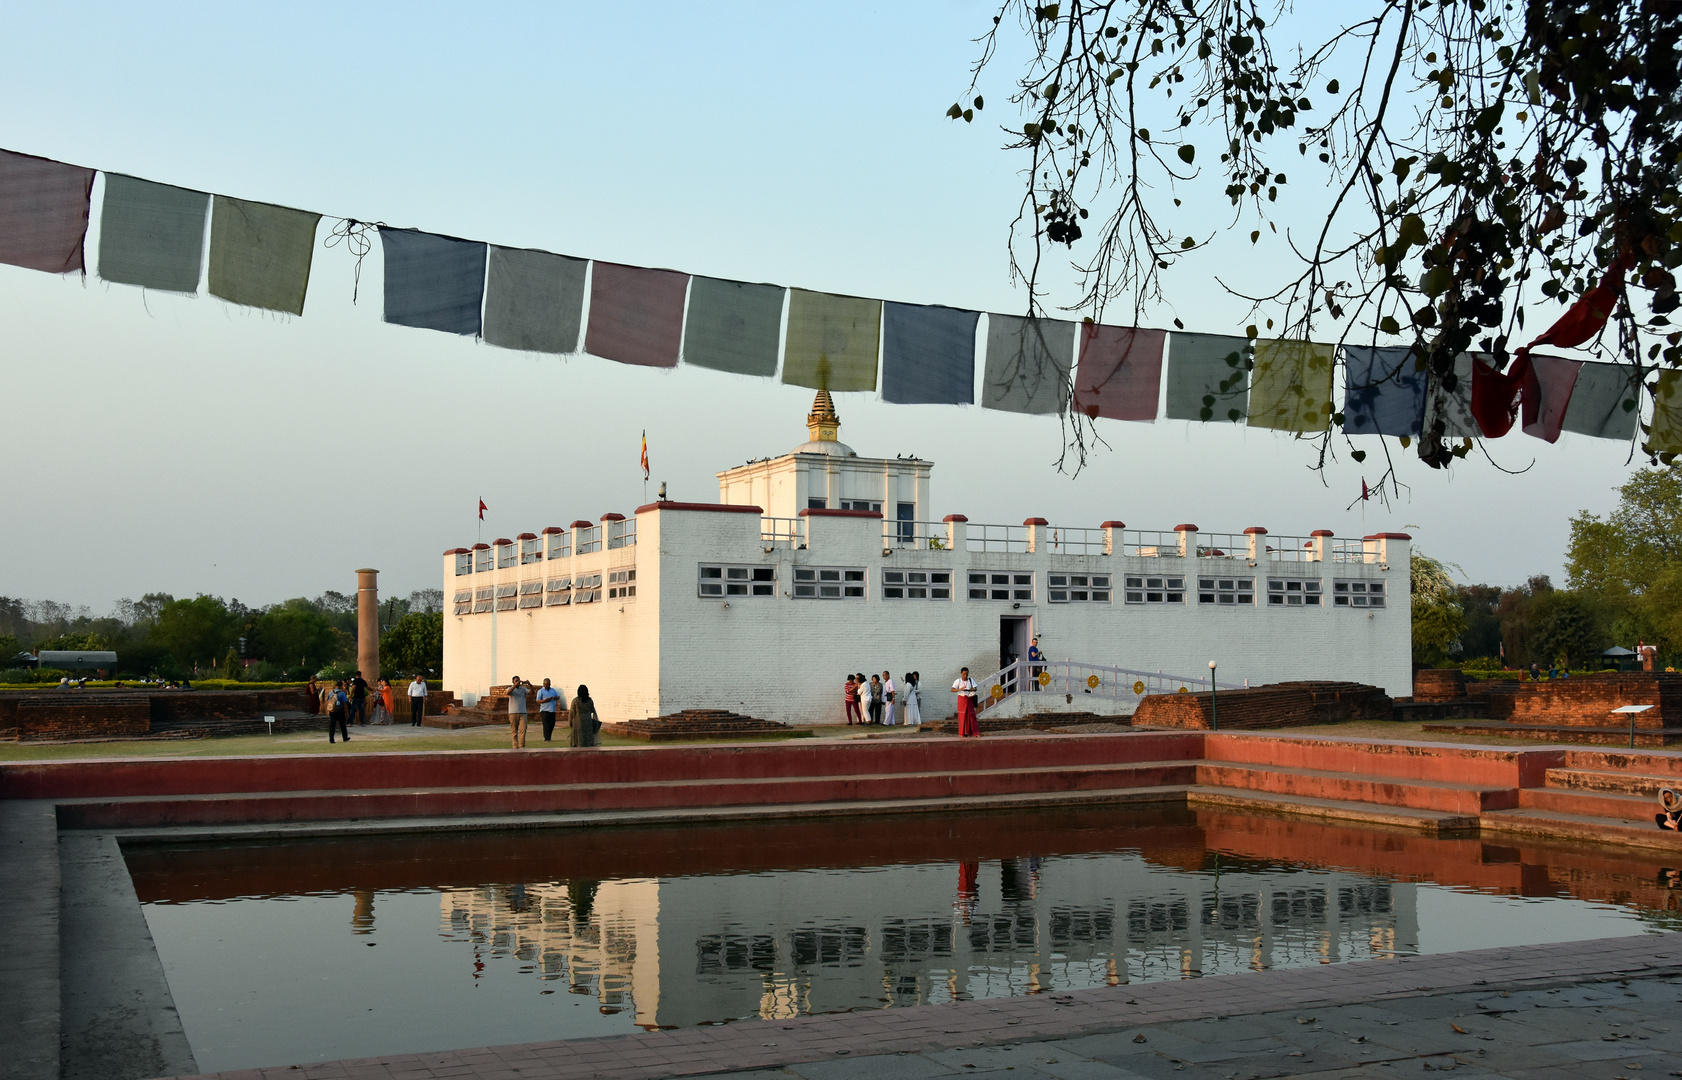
[{"x": 687, "y": 950}]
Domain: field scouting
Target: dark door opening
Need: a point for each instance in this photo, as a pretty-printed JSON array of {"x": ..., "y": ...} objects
[{"x": 1013, "y": 645}]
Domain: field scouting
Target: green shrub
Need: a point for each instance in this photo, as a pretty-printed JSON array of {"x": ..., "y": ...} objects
[{"x": 15, "y": 675}]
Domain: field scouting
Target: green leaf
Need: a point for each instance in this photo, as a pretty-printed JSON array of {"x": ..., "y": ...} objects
[
  {"x": 1031, "y": 132},
  {"x": 978, "y": 103},
  {"x": 955, "y": 111},
  {"x": 1358, "y": 456},
  {"x": 1187, "y": 242},
  {"x": 1187, "y": 153},
  {"x": 1331, "y": 87},
  {"x": 1047, "y": 12},
  {"x": 969, "y": 114},
  {"x": 1389, "y": 325},
  {"x": 1405, "y": 441}
]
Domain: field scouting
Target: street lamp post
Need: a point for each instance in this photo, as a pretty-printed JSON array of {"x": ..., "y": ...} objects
[{"x": 1214, "y": 706}]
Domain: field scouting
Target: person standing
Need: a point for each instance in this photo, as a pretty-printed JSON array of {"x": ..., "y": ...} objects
[
  {"x": 548, "y": 699},
  {"x": 382, "y": 704},
  {"x": 585, "y": 722},
  {"x": 875, "y": 697},
  {"x": 964, "y": 687},
  {"x": 850, "y": 695},
  {"x": 312, "y": 696},
  {"x": 358, "y": 699},
  {"x": 887, "y": 700},
  {"x": 517, "y": 713},
  {"x": 1035, "y": 657},
  {"x": 417, "y": 700},
  {"x": 913, "y": 701},
  {"x": 338, "y": 708}
]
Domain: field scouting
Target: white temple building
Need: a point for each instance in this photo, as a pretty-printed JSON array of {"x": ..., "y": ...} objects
[{"x": 821, "y": 562}]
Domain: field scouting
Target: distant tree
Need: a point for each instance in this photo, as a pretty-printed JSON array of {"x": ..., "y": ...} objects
[
  {"x": 1438, "y": 618},
  {"x": 415, "y": 644},
  {"x": 295, "y": 636},
  {"x": 1630, "y": 562},
  {"x": 10, "y": 646},
  {"x": 1565, "y": 626},
  {"x": 74, "y": 642},
  {"x": 427, "y": 600},
  {"x": 196, "y": 630},
  {"x": 1482, "y": 637}
]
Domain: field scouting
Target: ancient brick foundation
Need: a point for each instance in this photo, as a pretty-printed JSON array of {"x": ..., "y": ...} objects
[{"x": 1273, "y": 706}]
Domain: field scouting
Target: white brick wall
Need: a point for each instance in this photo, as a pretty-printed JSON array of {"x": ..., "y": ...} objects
[{"x": 785, "y": 659}]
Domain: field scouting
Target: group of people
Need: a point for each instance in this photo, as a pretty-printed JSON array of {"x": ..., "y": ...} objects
[
  {"x": 878, "y": 700},
  {"x": 582, "y": 720},
  {"x": 346, "y": 702}
]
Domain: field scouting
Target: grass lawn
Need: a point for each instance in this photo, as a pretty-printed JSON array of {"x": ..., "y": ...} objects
[{"x": 483, "y": 738}]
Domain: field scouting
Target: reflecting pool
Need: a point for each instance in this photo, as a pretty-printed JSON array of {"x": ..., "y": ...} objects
[{"x": 305, "y": 951}]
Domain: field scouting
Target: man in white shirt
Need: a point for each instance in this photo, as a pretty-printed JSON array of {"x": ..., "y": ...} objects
[
  {"x": 417, "y": 700},
  {"x": 517, "y": 712},
  {"x": 887, "y": 700}
]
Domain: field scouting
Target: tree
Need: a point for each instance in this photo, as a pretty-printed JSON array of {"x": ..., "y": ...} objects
[
  {"x": 1630, "y": 562},
  {"x": 1438, "y": 618},
  {"x": 195, "y": 630},
  {"x": 1478, "y": 156},
  {"x": 1565, "y": 627},
  {"x": 414, "y": 644},
  {"x": 74, "y": 642},
  {"x": 293, "y": 635}
]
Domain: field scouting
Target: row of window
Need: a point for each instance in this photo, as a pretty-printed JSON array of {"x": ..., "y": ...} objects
[
  {"x": 557, "y": 592},
  {"x": 844, "y": 583}
]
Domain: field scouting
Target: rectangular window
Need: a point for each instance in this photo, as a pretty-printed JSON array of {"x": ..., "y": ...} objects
[
  {"x": 531, "y": 550},
  {"x": 589, "y": 540},
  {"x": 814, "y": 503},
  {"x": 1078, "y": 588},
  {"x": 738, "y": 581},
  {"x": 464, "y": 601},
  {"x": 484, "y": 599},
  {"x": 1144, "y": 589},
  {"x": 586, "y": 588},
  {"x": 916, "y": 584},
  {"x": 482, "y": 560},
  {"x": 506, "y": 556},
  {"x": 464, "y": 563},
  {"x": 1009, "y": 586},
  {"x": 507, "y": 597},
  {"x": 622, "y": 584},
  {"x": 531, "y": 594},
  {"x": 560, "y": 544},
  {"x": 560, "y": 592},
  {"x": 828, "y": 583},
  {"x": 861, "y": 504},
  {"x": 1226, "y": 591},
  {"x": 1293, "y": 592},
  {"x": 1367, "y": 594}
]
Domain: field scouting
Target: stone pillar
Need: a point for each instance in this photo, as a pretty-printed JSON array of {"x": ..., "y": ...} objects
[{"x": 368, "y": 624}]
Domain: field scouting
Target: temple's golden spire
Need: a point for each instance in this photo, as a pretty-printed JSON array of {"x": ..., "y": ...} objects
[{"x": 821, "y": 423}]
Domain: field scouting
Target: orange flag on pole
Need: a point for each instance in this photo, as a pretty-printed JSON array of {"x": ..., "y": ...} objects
[{"x": 645, "y": 455}]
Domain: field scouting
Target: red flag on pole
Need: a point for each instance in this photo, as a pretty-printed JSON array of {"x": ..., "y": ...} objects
[
  {"x": 1365, "y": 494},
  {"x": 482, "y": 509}
]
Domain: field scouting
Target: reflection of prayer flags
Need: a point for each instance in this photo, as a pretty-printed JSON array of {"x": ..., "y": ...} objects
[
  {"x": 1291, "y": 387},
  {"x": 44, "y": 208},
  {"x": 151, "y": 235},
  {"x": 1665, "y": 435},
  {"x": 1547, "y": 392},
  {"x": 1028, "y": 362},
  {"x": 534, "y": 300},
  {"x": 636, "y": 314},
  {"x": 1597, "y": 402},
  {"x": 832, "y": 341},
  {"x": 433, "y": 282},
  {"x": 1384, "y": 391},
  {"x": 1453, "y": 408},
  {"x": 260, "y": 253},
  {"x": 733, "y": 326},
  {"x": 1120, "y": 372},
  {"x": 928, "y": 354},
  {"x": 1198, "y": 366}
]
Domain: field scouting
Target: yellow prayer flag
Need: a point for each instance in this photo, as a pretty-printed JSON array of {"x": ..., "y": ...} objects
[
  {"x": 1291, "y": 386},
  {"x": 1666, "y": 434}
]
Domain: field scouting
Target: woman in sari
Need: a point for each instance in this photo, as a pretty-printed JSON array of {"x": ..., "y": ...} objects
[
  {"x": 585, "y": 722},
  {"x": 913, "y": 701},
  {"x": 964, "y": 687},
  {"x": 312, "y": 696}
]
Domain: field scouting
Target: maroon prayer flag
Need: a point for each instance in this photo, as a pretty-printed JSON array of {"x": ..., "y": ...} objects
[
  {"x": 44, "y": 207},
  {"x": 636, "y": 314}
]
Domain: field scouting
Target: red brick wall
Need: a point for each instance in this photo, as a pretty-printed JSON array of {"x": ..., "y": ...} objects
[
  {"x": 1584, "y": 702},
  {"x": 77, "y": 717},
  {"x": 1271, "y": 706}
]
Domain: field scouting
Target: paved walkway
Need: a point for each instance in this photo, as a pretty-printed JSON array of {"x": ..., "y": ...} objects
[{"x": 1606, "y": 1010}]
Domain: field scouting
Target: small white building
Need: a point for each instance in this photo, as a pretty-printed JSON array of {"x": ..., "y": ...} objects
[{"x": 821, "y": 562}]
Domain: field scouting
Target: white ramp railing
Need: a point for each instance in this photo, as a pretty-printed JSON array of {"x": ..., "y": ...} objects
[{"x": 1091, "y": 680}]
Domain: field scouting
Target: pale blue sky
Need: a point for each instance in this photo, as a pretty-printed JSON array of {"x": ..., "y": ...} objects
[{"x": 158, "y": 442}]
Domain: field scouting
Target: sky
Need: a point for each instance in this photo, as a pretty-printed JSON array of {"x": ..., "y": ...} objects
[{"x": 157, "y": 442}]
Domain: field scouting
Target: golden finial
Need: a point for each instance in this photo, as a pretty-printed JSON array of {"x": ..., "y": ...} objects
[{"x": 822, "y": 424}]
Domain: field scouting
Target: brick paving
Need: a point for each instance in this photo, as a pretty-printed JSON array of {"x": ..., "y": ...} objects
[{"x": 1604, "y": 1010}]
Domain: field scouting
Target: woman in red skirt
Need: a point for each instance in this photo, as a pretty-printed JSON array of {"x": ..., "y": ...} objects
[
  {"x": 964, "y": 687},
  {"x": 850, "y": 694}
]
